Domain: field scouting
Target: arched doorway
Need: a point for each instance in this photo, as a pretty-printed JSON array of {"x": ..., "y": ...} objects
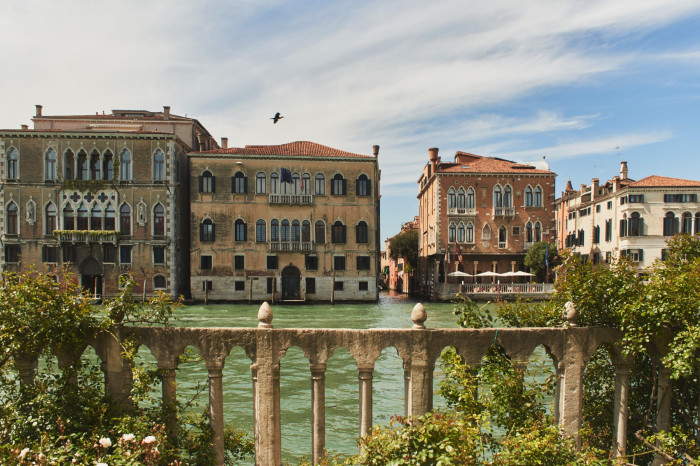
[
  {"x": 291, "y": 283},
  {"x": 91, "y": 276}
]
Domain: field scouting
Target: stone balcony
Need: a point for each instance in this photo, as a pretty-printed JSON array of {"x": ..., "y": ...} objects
[
  {"x": 504, "y": 211},
  {"x": 291, "y": 199},
  {"x": 287, "y": 246},
  {"x": 461, "y": 212},
  {"x": 87, "y": 236}
]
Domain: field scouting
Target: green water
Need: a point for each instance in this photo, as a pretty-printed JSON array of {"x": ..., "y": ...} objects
[{"x": 342, "y": 420}]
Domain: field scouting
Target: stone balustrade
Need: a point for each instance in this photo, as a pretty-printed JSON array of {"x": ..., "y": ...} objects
[{"x": 419, "y": 347}]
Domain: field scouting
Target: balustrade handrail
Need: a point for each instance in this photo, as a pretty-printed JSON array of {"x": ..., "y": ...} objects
[
  {"x": 87, "y": 236},
  {"x": 291, "y": 199}
]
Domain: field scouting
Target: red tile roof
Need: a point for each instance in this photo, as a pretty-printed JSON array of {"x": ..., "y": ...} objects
[
  {"x": 298, "y": 148},
  {"x": 654, "y": 181},
  {"x": 471, "y": 163}
]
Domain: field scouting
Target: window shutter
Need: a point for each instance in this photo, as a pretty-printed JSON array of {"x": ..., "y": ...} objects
[
  {"x": 357, "y": 187},
  {"x": 43, "y": 254},
  {"x": 213, "y": 231},
  {"x": 245, "y": 185},
  {"x": 369, "y": 187},
  {"x": 641, "y": 255},
  {"x": 357, "y": 233},
  {"x": 345, "y": 186},
  {"x": 201, "y": 232},
  {"x": 622, "y": 228},
  {"x": 213, "y": 184},
  {"x": 344, "y": 229},
  {"x": 233, "y": 184},
  {"x": 201, "y": 188}
]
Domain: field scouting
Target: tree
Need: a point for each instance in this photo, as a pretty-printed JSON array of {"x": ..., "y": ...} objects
[
  {"x": 534, "y": 259},
  {"x": 405, "y": 245}
]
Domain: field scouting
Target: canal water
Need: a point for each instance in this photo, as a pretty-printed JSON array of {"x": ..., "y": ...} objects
[{"x": 342, "y": 425}]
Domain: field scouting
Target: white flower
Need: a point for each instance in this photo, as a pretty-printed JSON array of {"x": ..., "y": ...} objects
[
  {"x": 23, "y": 453},
  {"x": 105, "y": 442},
  {"x": 128, "y": 437},
  {"x": 102, "y": 464},
  {"x": 149, "y": 439}
]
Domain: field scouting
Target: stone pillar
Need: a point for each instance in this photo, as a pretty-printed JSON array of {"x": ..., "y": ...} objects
[
  {"x": 421, "y": 386},
  {"x": 621, "y": 409},
  {"x": 26, "y": 366},
  {"x": 318, "y": 411},
  {"x": 571, "y": 401},
  {"x": 663, "y": 405},
  {"x": 406, "y": 388},
  {"x": 169, "y": 391},
  {"x": 216, "y": 407},
  {"x": 268, "y": 441},
  {"x": 118, "y": 375},
  {"x": 557, "y": 391},
  {"x": 365, "y": 374}
]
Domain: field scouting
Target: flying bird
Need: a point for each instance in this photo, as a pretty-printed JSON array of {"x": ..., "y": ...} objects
[{"x": 276, "y": 118}]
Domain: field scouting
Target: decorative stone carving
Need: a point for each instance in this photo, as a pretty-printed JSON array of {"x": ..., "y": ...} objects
[
  {"x": 141, "y": 216},
  {"x": 570, "y": 314},
  {"x": 419, "y": 316},
  {"x": 31, "y": 211},
  {"x": 265, "y": 316}
]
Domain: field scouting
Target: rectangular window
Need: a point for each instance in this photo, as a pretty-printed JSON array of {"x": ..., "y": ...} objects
[
  {"x": 364, "y": 286},
  {"x": 311, "y": 262},
  {"x": 239, "y": 262},
  {"x": 516, "y": 231},
  {"x": 636, "y": 198},
  {"x": 49, "y": 254},
  {"x": 68, "y": 253},
  {"x": 597, "y": 208},
  {"x": 310, "y": 285},
  {"x": 271, "y": 262},
  {"x": 609, "y": 205},
  {"x": 207, "y": 285},
  {"x": 270, "y": 284},
  {"x": 623, "y": 200},
  {"x": 362, "y": 262},
  {"x": 338, "y": 286},
  {"x": 159, "y": 254},
  {"x": 239, "y": 285},
  {"x": 109, "y": 254},
  {"x": 125, "y": 254},
  {"x": 205, "y": 262},
  {"x": 608, "y": 230},
  {"x": 12, "y": 253},
  {"x": 338, "y": 262}
]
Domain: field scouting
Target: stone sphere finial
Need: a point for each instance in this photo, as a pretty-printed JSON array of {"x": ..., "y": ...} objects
[
  {"x": 570, "y": 314},
  {"x": 265, "y": 316},
  {"x": 418, "y": 316}
]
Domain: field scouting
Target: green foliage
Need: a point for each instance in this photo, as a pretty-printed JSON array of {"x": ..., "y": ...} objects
[
  {"x": 88, "y": 186},
  {"x": 405, "y": 245},
  {"x": 534, "y": 259},
  {"x": 470, "y": 315}
]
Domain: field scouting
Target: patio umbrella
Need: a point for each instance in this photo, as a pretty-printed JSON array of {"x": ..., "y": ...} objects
[
  {"x": 488, "y": 274},
  {"x": 520, "y": 273},
  {"x": 459, "y": 274}
]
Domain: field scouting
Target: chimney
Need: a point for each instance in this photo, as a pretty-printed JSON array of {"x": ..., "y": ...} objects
[
  {"x": 623, "y": 170},
  {"x": 200, "y": 141},
  {"x": 375, "y": 150},
  {"x": 616, "y": 184},
  {"x": 224, "y": 143},
  {"x": 433, "y": 151},
  {"x": 38, "y": 110},
  {"x": 25, "y": 127},
  {"x": 594, "y": 188},
  {"x": 166, "y": 112}
]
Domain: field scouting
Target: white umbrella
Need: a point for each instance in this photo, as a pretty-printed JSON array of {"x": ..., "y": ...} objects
[
  {"x": 520, "y": 273},
  {"x": 459, "y": 274},
  {"x": 488, "y": 274}
]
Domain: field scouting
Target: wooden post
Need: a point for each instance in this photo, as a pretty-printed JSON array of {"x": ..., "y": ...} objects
[{"x": 333, "y": 289}]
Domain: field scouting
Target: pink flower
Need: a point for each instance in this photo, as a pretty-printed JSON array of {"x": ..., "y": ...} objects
[
  {"x": 105, "y": 442},
  {"x": 128, "y": 437},
  {"x": 149, "y": 439},
  {"x": 23, "y": 453}
]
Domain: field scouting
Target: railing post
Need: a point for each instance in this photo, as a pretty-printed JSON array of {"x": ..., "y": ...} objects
[
  {"x": 169, "y": 391},
  {"x": 216, "y": 407},
  {"x": 663, "y": 405},
  {"x": 26, "y": 366},
  {"x": 421, "y": 367},
  {"x": 365, "y": 375},
  {"x": 571, "y": 401},
  {"x": 621, "y": 408},
  {"x": 318, "y": 411},
  {"x": 268, "y": 442}
]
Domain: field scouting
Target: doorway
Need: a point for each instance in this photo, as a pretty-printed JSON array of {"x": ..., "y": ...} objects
[{"x": 291, "y": 283}]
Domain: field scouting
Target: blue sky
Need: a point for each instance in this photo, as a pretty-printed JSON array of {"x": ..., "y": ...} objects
[{"x": 569, "y": 80}]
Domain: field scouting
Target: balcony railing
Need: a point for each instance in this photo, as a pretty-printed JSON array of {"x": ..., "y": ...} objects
[
  {"x": 461, "y": 211},
  {"x": 291, "y": 199},
  {"x": 86, "y": 236},
  {"x": 291, "y": 246},
  {"x": 502, "y": 245},
  {"x": 504, "y": 211}
]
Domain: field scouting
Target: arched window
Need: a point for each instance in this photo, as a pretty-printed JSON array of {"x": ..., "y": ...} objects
[
  {"x": 528, "y": 196},
  {"x": 697, "y": 223},
  {"x": 109, "y": 218},
  {"x": 461, "y": 204},
  {"x": 528, "y": 233},
  {"x": 68, "y": 218},
  {"x": 470, "y": 232},
  {"x": 362, "y": 233},
  {"x": 96, "y": 218},
  {"x": 338, "y": 232},
  {"x": 260, "y": 233},
  {"x": 68, "y": 164},
  {"x": 158, "y": 220},
  {"x": 285, "y": 231},
  {"x": 670, "y": 224},
  {"x": 320, "y": 232},
  {"x": 451, "y": 199},
  {"x": 50, "y": 215},
  {"x": 260, "y": 183},
  {"x": 12, "y": 226},
  {"x": 125, "y": 165},
  {"x": 158, "y": 165},
  {"x": 239, "y": 183},
  {"x": 95, "y": 165},
  {"x": 207, "y": 182},
  {"x": 363, "y": 186},
  {"x": 508, "y": 196},
  {"x": 275, "y": 230},
  {"x": 502, "y": 237},
  {"x": 159, "y": 282},
  {"x": 486, "y": 233},
  {"x": 296, "y": 185},
  {"x": 125, "y": 220},
  {"x": 452, "y": 233},
  {"x": 320, "y": 184},
  {"x": 240, "y": 230},
  {"x": 83, "y": 166},
  {"x": 12, "y": 164},
  {"x": 460, "y": 232},
  {"x": 206, "y": 231},
  {"x": 274, "y": 183},
  {"x": 538, "y": 232},
  {"x": 687, "y": 225},
  {"x": 108, "y": 166},
  {"x": 82, "y": 217},
  {"x": 538, "y": 196},
  {"x": 635, "y": 227},
  {"x": 338, "y": 186},
  {"x": 306, "y": 231},
  {"x": 306, "y": 183},
  {"x": 296, "y": 231},
  {"x": 497, "y": 196},
  {"x": 50, "y": 164},
  {"x": 470, "y": 198}
]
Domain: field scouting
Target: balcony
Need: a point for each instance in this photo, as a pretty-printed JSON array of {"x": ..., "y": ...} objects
[
  {"x": 461, "y": 212},
  {"x": 504, "y": 211},
  {"x": 291, "y": 199},
  {"x": 87, "y": 236},
  {"x": 287, "y": 246}
]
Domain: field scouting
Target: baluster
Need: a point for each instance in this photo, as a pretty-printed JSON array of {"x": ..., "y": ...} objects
[
  {"x": 421, "y": 368},
  {"x": 216, "y": 407},
  {"x": 622, "y": 386},
  {"x": 318, "y": 411},
  {"x": 268, "y": 442},
  {"x": 365, "y": 375},
  {"x": 169, "y": 391}
]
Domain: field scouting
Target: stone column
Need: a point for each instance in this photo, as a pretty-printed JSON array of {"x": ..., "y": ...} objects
[
  {"x": 27, "y": 370},
  {"x": 421, "y": 367},
  {"x": 406, "y": 388},
  {"x": 621, "y": 409},
  {"x": 118, "y": 375},
  {"x": 169, "y": 390},
  {"x": 318, "y": 411},
  {"x": 663, "y": 405},
  {"x": 216, "y": 407},
  {"x": 268, "y": 441},
  {"x": 571, "y": 401},
  {"x": 365, "y": 375},
  {"x": 557, "y": 392}
]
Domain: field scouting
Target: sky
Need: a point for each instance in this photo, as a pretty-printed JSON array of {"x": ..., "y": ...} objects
[{"x": 584, "y": 83}]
